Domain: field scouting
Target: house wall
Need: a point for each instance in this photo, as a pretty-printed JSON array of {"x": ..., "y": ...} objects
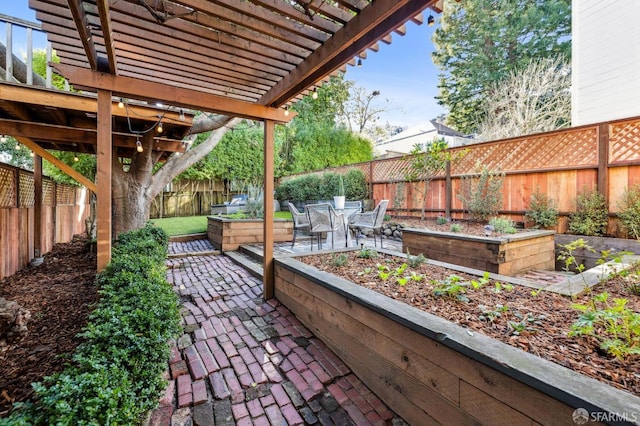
[{"x": 605, "y": 60}]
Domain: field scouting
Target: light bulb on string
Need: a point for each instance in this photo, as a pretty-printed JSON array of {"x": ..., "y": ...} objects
[
  {"x": 431, "y": 20},
  {"x": 314, "y": 95},
  {"x": 32, "y": 154},
  {"x": 159, "y": 127},
  {"x": 3, "y": 138},
  {"x": 17, "y": 146},
  {"x": 359, "y": 62},
  {"x": 139, "y": 147},
  {"x": 181, "y": 114},
  {"x": 286, "y": 111},
  {"x": 75, "y": 158},
  {"x": 121, "y": 103}
]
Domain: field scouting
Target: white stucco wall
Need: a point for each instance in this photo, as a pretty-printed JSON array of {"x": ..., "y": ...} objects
[{"x": 605, "y": 60}]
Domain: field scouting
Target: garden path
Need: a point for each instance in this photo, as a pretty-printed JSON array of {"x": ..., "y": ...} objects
[{"x": 243, "y": 361}]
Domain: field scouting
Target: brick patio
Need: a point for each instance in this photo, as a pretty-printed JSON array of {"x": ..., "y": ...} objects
[{"x": 243, "y": 361}]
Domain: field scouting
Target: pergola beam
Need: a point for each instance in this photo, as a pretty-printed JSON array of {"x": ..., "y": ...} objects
[
  {"x": 82, "y": 25},
  {"x": 37, "y": 149},
  {"x": 180, "y": 97},
  {"x": 107, "y": 32},
  {"x": 376, "y": 20}
]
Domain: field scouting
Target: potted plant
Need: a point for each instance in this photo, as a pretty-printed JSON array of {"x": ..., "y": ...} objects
[{"x": 338, "y": 200}]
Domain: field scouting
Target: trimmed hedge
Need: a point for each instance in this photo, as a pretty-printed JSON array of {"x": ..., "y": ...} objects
[
  {"x": 314, "y": 187},
  {"x": 116, "y": 376}
]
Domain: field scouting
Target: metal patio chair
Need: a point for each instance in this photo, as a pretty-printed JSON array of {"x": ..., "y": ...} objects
[
  {"x": 324, "y": 219},
  {"x": 300, "y": 221},
  {"x": 370, "y": 220}
]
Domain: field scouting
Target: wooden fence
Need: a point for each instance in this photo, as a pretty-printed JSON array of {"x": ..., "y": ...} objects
[
  {"x": 64, "y": 209},
  {"x": 191, "y": 198},
  {"x": 563, "y": 163}
]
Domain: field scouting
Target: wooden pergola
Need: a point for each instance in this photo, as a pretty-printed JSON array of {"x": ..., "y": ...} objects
[{"x": 239, "y": 58}]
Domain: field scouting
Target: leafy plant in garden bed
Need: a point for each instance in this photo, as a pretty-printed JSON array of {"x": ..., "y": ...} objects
[
  {"x": 538, "y": 322},
  {"x": 116, "y": 375}
]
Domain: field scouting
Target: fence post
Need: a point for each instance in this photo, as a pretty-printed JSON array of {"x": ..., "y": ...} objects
[
  {"x": 603, "y": 161},
  {"x": 371, "y": 180},
  {"x": 447, "y": 190}
]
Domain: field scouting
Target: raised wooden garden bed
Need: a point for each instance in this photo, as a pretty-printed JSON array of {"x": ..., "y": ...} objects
[
  {"x": 228, "y": 234},
  {"x": 431, "y": 371},
  {"x": 507, "y": 254}
]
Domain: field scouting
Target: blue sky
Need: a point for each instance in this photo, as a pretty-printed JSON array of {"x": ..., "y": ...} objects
[{"x": 402, "y": 71}]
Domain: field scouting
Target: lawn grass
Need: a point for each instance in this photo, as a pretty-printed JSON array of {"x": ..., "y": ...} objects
[
  {"x": 182, "y": 225},
  {"x": 195, "y": 224}
]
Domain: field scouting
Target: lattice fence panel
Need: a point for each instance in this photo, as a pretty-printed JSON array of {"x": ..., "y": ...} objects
[
  {"x": 48, "y": 193},
  {"x": 624, "y": 141},
  {"x": 7, "y": 187},
  {"x": 569, "y": 148},
  {"x": 27, "y": 190},
  {"x": 390, "y": 170},
  {"x": 65, "y": 195}
]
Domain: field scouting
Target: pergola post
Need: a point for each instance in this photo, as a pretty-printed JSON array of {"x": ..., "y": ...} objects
[
  {"x": 37, "y": 206},
  {"x": 268, "y": 269},
  {"x": 103, "y": 179}
]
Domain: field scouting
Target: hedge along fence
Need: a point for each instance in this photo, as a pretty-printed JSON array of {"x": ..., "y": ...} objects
[
  {"x": 64, "y": 209},
  {"x": 603, "y": 156},
  {"x": 116, "y": 373}
]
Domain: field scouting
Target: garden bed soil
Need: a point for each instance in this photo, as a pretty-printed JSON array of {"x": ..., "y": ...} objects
[
  {"x": 59, "y": 294},
  {"x": 546, "y": 316}
]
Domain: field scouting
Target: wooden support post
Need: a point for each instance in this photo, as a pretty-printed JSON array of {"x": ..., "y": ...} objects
[
  {"x": 448, "y": 191},
  {"x": 268, "y": 268},
  {"x": 103, "y": 179},
  {"x": 37, "y": 207},
  {"x": 603, "y": 161}
]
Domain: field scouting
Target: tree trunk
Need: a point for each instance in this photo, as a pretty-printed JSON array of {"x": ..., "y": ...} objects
[{"x": 135, "y": 186}]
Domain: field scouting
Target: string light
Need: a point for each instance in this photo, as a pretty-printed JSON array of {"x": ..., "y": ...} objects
[
  {"x": 181, "y": 114},
  {"x": 159, "y": 127},
  {"x": 121, "y": 103},
  {"x": 314, "y": 95},
  {"x": 139, "y": 147},
  {"x": 75, "y": 158},
  {"x": 431, "y": 20},
  {"x": 32, "y": 154},
  {"x": 286, "y": 111},
  {"x": 3, "y": 138},
  {"x": 17, "y": 146},
  {"x": 359, "y": 62}
]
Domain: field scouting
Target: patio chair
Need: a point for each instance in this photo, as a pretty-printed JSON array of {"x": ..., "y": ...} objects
[
  {"x": 370, "y": 220},
  {"x": 300, "y": 222},
  {"x": 324, "y": 219}
]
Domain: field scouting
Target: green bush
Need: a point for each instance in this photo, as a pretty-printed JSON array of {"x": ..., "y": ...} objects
[
  {"x": 503, "y": 225},
  {"x": 629, "y": 210},
  {"x": 313, "y": 187},
  {"x": 591, "y": 216},
  {"x": 355, "y": 185},
  {"x": 542, "y": 210},
  {"x": 116, "y": 375},
  {"x": 481, "y": 194}
]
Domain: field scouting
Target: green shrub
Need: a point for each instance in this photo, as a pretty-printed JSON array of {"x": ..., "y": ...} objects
[
  {"x": 590, "y": 217},
  {"x": 629, "y": 210},
  {"x": 313, "y": 187},
  {"x": 481, "y": 194},
  {"x": 456, "y": 227},
  {"x": 355, "y": 185},
  {"x": 116, "y": 375},
  {"x": 503, "y": 225},
  {"x": 542, "y": 210}
]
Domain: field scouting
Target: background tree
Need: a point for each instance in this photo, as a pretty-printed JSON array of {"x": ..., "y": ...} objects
[
  {"x": 361, "y": 111},
  {"x": 533, "y": 99},
  {"x": 480, "y": 42},
  {"x": 15, "y": 154}
]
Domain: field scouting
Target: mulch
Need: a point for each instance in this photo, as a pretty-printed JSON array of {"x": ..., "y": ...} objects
[
  {"x": 547, "y": 316},
  {"x": 59, "y": 294}
]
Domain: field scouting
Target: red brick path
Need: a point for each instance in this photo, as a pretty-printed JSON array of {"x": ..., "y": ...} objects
[{"x": 243, "y": 361}]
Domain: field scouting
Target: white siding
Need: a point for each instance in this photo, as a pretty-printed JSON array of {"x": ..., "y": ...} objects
[{"x": 605, "y": 60}]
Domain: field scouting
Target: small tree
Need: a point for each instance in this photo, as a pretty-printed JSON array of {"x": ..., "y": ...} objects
[
  {"x": 591, "y": 215},
  {"x": 542, "y": 210},
  {"x": 427, "y": 162},
  {"x": 482, "y": 194}
]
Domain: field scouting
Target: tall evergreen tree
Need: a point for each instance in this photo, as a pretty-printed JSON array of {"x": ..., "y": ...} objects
[{"x": 481, "y": 41}]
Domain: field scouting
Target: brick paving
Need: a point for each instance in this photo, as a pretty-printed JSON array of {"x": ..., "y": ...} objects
[{"x": 244, "y": 361}]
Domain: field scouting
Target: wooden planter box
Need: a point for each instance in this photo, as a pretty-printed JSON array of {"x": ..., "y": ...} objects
[
  {"x": 431, "y": 371},
  {"x": 228, "y": 234},
  {"x": 507, "y": 255}
]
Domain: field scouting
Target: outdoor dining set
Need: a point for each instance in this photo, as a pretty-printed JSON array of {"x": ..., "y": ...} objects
[{"x": 323, "y": 219}]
